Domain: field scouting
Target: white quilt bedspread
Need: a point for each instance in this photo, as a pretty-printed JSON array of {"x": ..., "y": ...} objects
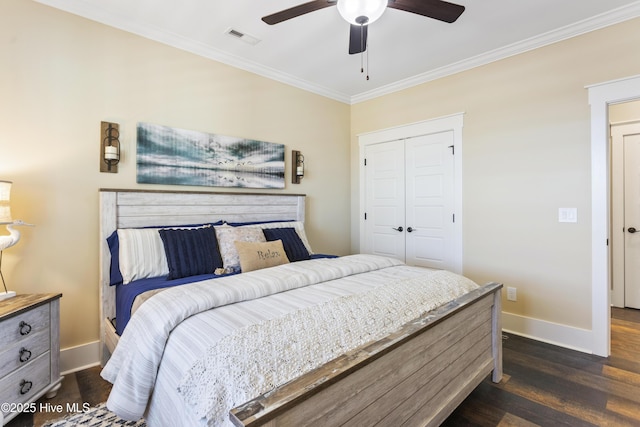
[
  {"x": 257, "y": 358},
  {"x": 137, "y": 359}
]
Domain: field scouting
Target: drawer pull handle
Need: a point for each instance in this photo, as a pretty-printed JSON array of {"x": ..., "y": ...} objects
[
  {"x": 24, "y": 355},
  {"x": 25, "y": 328},
  {"x": 25, "y": 386}
]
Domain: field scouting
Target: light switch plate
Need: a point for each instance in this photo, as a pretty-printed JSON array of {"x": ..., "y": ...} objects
[{"x": 567, "y": 214}]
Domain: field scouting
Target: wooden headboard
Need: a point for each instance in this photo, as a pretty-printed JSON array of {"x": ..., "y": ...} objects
[{"x": 146, "y": 208}]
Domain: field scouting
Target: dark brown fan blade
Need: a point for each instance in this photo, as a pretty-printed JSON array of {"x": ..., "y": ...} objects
[
  {"x": 357, "y": 38},
  {"x": 436, "y": 9},
  {"x": 295, "y": 11}
]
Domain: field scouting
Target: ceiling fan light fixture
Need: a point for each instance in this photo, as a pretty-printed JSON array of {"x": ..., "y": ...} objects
[{"x": 361, "y": 12}]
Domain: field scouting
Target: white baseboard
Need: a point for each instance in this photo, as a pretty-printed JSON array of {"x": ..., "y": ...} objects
[
  {"x": 80, "y": 357},
  {"x": 551, "y": 333}
]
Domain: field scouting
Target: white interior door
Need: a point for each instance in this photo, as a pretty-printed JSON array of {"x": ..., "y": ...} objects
[
  {"x": 624, "y": 165},
  {"x": 430, "y": 200},
  {"x": 385, "y": 207},
  {"x": 632, "y": 220}
]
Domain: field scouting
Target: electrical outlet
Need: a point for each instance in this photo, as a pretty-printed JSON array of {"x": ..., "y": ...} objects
[{"x": 512, "y": 295}]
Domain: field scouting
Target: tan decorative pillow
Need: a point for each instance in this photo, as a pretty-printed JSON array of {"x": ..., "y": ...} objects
[{"x": 257, "y": 255}]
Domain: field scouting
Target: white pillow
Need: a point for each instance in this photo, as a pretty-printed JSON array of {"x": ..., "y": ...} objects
[
  {"x": 141, "y": 254},
  {"x": 298, "y": 225},
  {"x": 227, "y": 235}
]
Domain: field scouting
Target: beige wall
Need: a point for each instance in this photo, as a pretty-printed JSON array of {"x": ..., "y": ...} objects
[
  {"x": 526, "y": 153},
  {"x": 526, "y": 150},
  {"x": 61, "y": 75}
]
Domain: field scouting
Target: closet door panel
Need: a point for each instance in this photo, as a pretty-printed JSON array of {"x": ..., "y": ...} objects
[
  {"x": 429, "y": 200},
  {"x": 385, "y": 199}
]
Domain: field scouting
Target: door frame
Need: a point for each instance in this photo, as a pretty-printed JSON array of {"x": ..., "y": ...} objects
[
  {"x": 453, "y": 123},
  {"x": 600, "y": 97}
]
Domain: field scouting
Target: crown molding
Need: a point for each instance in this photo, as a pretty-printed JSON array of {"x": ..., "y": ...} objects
[
  {"x": 597, "y": 22},
  {"x": 122, "y": 22},
  {"x": 78, "y": 7}
]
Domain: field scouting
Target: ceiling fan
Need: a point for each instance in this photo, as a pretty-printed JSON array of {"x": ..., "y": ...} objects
[{"x": 361, "y": 13}]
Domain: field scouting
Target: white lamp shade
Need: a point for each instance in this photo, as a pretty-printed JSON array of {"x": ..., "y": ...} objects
[
  {"x": 353, "y": 9},
  {"x": 5, "y": 202}
]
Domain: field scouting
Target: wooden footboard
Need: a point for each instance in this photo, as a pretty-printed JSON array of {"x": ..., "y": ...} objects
[{"x": 416, "y": 376}]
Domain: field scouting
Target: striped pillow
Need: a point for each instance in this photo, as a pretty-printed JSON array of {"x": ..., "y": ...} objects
[{"x": 141, "y": 254}]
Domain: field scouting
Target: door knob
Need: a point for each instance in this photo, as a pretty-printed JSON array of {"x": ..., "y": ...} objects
[
  {"x": 631, "y": 230},
  {"x": 399, "y": 229},
  {"x": 409, "y": 229}
]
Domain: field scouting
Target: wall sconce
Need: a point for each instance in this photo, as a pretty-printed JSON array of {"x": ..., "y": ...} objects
[
  {"x": 297, "y": 167},
  {"x": 109, "y": 147}
]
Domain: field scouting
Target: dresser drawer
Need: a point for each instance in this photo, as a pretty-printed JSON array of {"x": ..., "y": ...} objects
[
  {"x": 30, "y": 322},
  {"x": 23, "y": 351},
  {"x": 21, "y": 385}
]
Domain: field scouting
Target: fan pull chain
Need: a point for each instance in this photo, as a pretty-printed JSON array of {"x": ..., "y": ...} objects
[
  {"x": 361, "y": 48},
  {"x": 364, "y": 50},
  {"x": 367, "y": 52}
]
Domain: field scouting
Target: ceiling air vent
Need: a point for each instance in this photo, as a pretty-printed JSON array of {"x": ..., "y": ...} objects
[{"x": 242, "y": 36}]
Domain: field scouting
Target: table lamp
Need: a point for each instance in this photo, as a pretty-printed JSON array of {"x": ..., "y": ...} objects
[{"x": 14, "y": 235}]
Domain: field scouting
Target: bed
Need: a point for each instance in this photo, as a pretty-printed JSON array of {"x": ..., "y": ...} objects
[{"x": 416, "y": 373}]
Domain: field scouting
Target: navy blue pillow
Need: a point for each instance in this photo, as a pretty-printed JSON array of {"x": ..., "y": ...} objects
[
  {"x": 115, "y": 276},
  {"x": 293, "y": 246},
  {"x": 191, "y": 252}
]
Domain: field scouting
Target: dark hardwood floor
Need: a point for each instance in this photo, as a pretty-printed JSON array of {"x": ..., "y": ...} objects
[
  {"x": 546, "y": 385},
  {"x": 543, "y": 385}
]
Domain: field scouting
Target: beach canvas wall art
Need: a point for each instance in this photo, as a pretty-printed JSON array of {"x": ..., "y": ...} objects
[{"x": 167, "y": 155}]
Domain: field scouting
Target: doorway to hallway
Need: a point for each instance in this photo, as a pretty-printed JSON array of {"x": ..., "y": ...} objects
[{"x": 601, "y": 96}]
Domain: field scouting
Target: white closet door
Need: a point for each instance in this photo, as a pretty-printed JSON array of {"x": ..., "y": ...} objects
[
  {"x": 430, "y": 201},
  {"x": 385, "y": 207}
]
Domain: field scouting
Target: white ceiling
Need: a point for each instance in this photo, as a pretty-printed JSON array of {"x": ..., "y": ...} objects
[{"x": 310, "y": 51}]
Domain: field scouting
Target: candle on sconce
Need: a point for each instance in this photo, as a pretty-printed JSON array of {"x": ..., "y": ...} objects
[
  {"x": 297, "y": 170},
  {"x": 111, "y": 152}
]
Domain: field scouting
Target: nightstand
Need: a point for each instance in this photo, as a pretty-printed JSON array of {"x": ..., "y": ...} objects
[{"x": 29, "y": 351}]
